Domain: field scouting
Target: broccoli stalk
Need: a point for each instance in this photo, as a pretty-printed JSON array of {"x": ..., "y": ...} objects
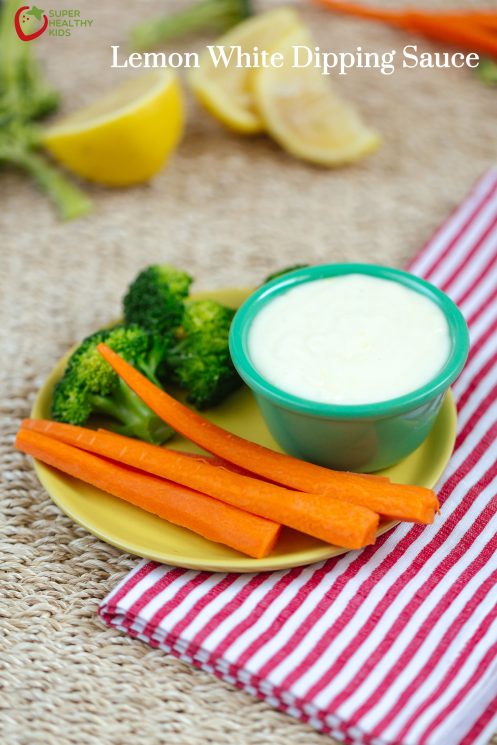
[
  {"x": 68, "y": 199},
  {"x": 89, "y": 386},
  {"x": 219, "y": 15},
  {"x": 24, "y": 98},
  {"x": 134, "y": 417}
]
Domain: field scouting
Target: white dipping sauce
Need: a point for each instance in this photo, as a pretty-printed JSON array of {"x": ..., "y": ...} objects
[{"x": 351, "y": 339}]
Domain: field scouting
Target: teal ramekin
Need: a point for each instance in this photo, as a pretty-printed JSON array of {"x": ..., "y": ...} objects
[{"x": 359, "y": 437}]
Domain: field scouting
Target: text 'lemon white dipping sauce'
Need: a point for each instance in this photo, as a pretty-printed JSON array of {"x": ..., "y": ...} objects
[{"x": 350, "y": 339}]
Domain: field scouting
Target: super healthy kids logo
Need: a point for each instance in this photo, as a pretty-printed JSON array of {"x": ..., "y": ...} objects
[{"x": 31, "y": 22}]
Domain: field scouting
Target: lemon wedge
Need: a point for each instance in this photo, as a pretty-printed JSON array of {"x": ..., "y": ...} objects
[
  {"x": 126, "y": 136},
  {"x": 226, "y": 90},
  {"x": 304, "y": 115}
]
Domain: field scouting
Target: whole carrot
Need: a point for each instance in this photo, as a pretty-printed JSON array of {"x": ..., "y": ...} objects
[
  {"x": 379, "y": 496},
  {"x": 323, "y": 517},
  {"x": 204, "y": 515}
]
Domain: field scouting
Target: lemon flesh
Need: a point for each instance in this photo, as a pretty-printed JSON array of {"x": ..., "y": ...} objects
[
  {"x": 304, "y": 115},
  {"x": 126, "y": 136},
  {"x": 226, "y": 91}
]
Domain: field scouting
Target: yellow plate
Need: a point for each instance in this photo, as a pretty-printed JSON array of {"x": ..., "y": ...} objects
[{"x": 138, "y": 532}]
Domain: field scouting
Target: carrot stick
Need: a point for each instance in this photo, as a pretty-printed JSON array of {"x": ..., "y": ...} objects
[
  {"x": 403, "y": 17},
  {"x": 483, "y": 19},
  {"x": 363, "y": 11},
  {"x": 237, "y": 487},
  {"x": 208, "y": 458},
  {"x": 381, "y": 497},
  {"x": 479, "y": 17},
  {"x": 490, "y": 24},
  {"x": 213, "y": 460},
  {"x": 208, "y": 517},
  {"x": 323, "y": 517}
]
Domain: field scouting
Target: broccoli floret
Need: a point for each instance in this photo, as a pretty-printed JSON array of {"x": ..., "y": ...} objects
[
  {"x": 70, "y": 401},
  {"x": 154, "y": 299},
  {"x": 281, "y": 272},
  {"x": 90, "y": 386},
  {"x": 200, "y": 360},
  {"x": 218, "y": 15}
]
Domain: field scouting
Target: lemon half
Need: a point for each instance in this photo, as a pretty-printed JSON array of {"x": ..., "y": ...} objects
[
  {"x": 304, "y": 115},
  {"x": 226, "y": 91},
  {"x": 126, "y": 136}
]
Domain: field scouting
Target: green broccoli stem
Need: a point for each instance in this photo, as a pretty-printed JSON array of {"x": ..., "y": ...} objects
[
  {"x": 155, "y": 362},
  {"x": 219, "y": 15},
  {"x": 137, "y": 420},
  {"x": 153, "y": 430},
  {"x": 70, "y": 201}
]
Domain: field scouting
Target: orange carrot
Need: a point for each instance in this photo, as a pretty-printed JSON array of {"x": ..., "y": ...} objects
[
  {"x": 213, "y": 460},
  {"x": 459, "y": 32},
  {"x": 363, "y": 11},
  {"x": 384, "y": 498},
  {"x": 323, "y": 517},
  {"x": 208, "y": 517},
  {"x": 483, "y": 18},
  {"x": 235, "y": 486},
  {"x": 477, "y": 18},
  {"x": 208, "y": 458},
  {"x": 470, "y": 29}
]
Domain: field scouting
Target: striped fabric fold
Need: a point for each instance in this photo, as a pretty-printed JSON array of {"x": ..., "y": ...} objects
[{"x": 396, "y": 644}]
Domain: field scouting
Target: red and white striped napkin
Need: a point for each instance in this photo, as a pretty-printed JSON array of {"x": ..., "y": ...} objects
[{"x": 396, "y": 644}]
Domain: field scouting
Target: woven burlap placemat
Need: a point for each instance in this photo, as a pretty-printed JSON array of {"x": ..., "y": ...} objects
[{"x": 229, "y": 210}]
